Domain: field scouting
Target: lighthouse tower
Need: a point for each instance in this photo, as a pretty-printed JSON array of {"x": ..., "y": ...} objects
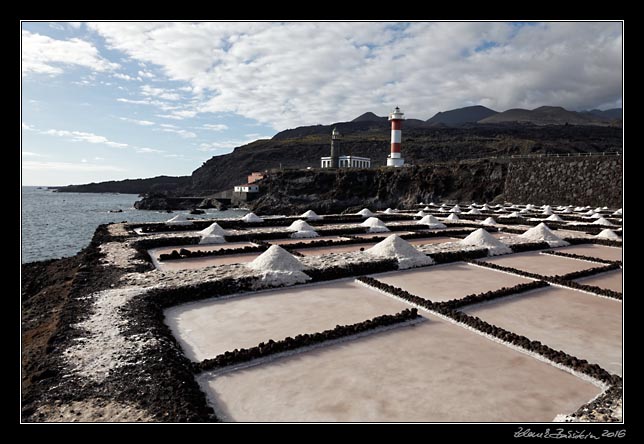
[{"x": 395, "y": 159}]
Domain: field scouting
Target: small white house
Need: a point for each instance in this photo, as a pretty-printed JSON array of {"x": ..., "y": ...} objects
[
  {"x": 347, "y": 162},
  {"x": 247, "y": 188}
]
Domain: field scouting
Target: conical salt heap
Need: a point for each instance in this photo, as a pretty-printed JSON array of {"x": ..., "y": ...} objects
[
  {"x": 421, "y": 213},
  {"x": 455, "y": 209},
  {"x": 541, "y": 233},
  {"x": 602, "y": 221},
  {"x": 554, "y": 218},
  {"x": 483, "y": 239},
  {"x": 300, "y": 225},
  {"x": 426, "y": 209},
  {"x": 489, "y": 221},
  {"x": 453, "y": 217},
  {"x": 365, "y": 212},
  {"x": 431, "y": 222},
  {"x": 213, "y": 234},
  {"x": 513, "y": 214},
  {"x": 375, "y": 225},
  {"x": 398, "y": 248},
  {"x": 473, "y": 211},
  {"x": 618, "y": 212},
  {"x": 179, "y": 219},
  {"x": 608, "y": 234},
  {"x": 311, "y": 215},
  {"x": 485, "y": 207},
  {"x": 547, "y": 211},
  {"x": 388, "y": 211},
  {"x": 252, "y": 217},
  {"x": 278, "y": 266}
]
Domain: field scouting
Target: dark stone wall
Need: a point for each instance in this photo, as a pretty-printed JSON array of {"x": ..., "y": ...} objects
[{"x": 593, "y": 180}]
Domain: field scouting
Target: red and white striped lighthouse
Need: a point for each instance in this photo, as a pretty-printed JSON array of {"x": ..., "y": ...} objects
[{"x": 394, "y": 159}]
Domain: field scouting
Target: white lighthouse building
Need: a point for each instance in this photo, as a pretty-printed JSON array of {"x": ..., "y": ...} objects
[{"x": 395, "y": 159}]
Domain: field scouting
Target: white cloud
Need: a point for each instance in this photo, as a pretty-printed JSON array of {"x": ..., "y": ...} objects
[
  {"x": 162, "y": 105},
  {"x": 159, "y": 93},
  {"x": 174, "y": 156},
  {"x": 149, "y": 151},
  {"x": 183, "y": 133},
  {"x": 290, "y": 74},
  {"x": 138, "y": 122},
  {"x": 27, "y": 127},
  {"x": 67, "y": 166},
  {"x": 146, "y": 74},
  {"x": 127, "y": 77},
  {"x": 81, "y": 136},
  {"x": 32, "y": 154},
  {"x": 215, "y": 126},
  {"x": 45, "y": 55}
]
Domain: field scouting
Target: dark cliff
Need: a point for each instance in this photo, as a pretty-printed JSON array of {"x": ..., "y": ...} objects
[
  {"x": 593, "y": 180},
  {"x": 303, "y": 147}
]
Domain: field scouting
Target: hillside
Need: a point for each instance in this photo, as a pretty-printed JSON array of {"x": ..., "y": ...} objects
[
  {"x": 460, "y": 116},
  {"x": 517, "y": 131},
  {"x": 303, "y": 147},
  {"x": 130, "y": 186},
  {"x": 544, "y": 115}
]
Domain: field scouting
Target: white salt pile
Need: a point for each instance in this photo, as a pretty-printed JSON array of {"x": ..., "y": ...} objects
[
  {"x": 579, "y": 209},
  {"x": 598, "y": 209},
  {"x": 513, "y": 214},
  {"x": 618, "y": 212},
  {"x": 473, "y": 211},
  {"x": 595, "y": 216},
  {"x": 529, "y": 207},
  {"x": 524, "y": 211},
  {"x": 213, "y": 229},
  {"x": 489, "y": 221},
  {"x": 395, "y": 247},
  {"x": 483, "y": 239},
  {"x": 365, "y": 212},
  {"x": 608, "y": 234},
  {"x": 388, "y": 211},
  {"x": 252, "y": 217},
  {"x": 602, "y": 221},
  {"x": 303, "y": 234},
  {"x": 443, "y": 210},
  {"x": 375, "y": 225},
  {"x": 278, "y": 266},
  {"x": 431, "y": 222},
  {"x": 212, "y": 239},
  {"x": 453, "y": 217},
  {"x": 179, "y": 219},
  {"x": 311, "y": 215},
  {"x": 500, "y": 210},
  {"x": 547, "y": 211},
  {"x": 589, "y": 213},
  {"x": 485, "y": 207},
  {"x": 555, "y": 218},
  {"x": 541, "y": 233},
  {"x": 300, "y": 225},
  {"x": 455, "y": 209},
  {"x": 421, "y": 213},
  {"x": 426, "y": 209},
  {"x": 214, "y": 234},
  {"x": 566, "y": 211}
]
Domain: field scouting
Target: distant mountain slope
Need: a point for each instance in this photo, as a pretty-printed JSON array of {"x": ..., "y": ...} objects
[
  {"x": 608, "y": 114},
  {"x": 544, "y": 115},
  {"x": 130, "y": 186},
  {"x": 369, "y": 117},
  {"x": 460, "y": 116}
]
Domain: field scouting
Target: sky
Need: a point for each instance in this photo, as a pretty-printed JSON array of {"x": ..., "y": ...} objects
[{"x": 116, "y": 100}]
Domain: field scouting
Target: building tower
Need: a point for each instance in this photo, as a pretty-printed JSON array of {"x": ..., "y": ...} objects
[
  {"x": 335, "y": 147},
  {"x": 394, "y": 159}
]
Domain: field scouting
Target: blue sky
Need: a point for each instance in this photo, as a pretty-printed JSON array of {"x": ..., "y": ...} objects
[{"x": 105, "y": 101}]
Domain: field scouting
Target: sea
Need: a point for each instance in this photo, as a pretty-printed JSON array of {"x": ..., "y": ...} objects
[{"x": 55, "y": 225}]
